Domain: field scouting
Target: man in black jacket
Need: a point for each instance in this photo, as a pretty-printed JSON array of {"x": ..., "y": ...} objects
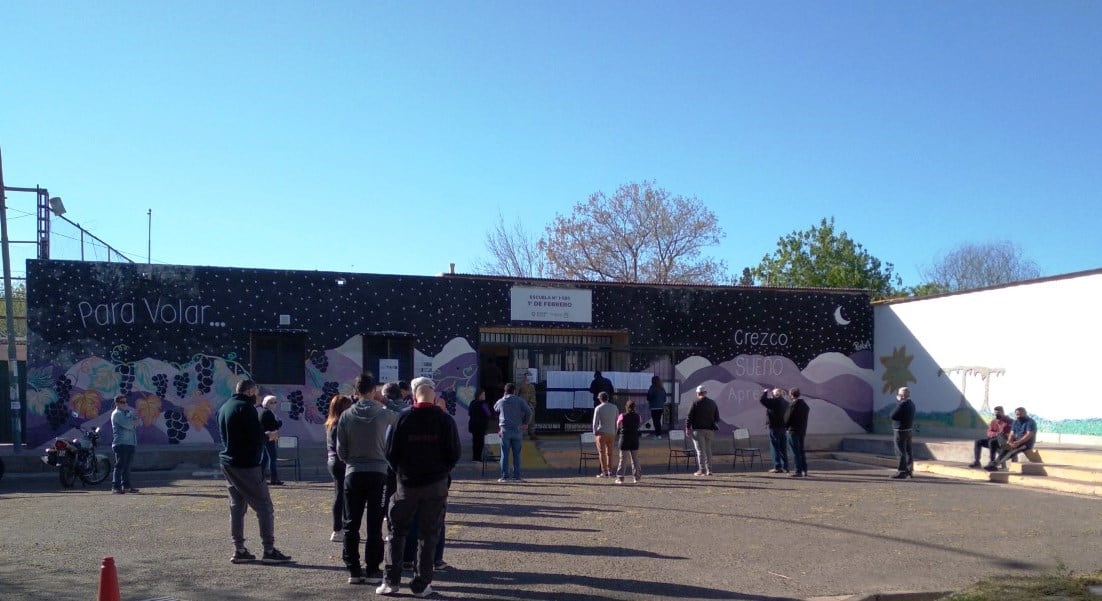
[
  {"x": 700, "y": 426},
  {"x": 903, "y": 418},
  {"x": 795, "y": 421},
  {"x": 775, "y": 408},
  {"x": 242, "y": 447},
  {"x": 422, "y": 448}
]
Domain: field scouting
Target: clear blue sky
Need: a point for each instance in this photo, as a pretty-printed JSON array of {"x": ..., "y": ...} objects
[{"x": 386, "y": 136}]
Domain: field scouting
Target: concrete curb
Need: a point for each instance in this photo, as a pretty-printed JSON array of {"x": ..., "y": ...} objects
[{"x": 900, "y": 596}]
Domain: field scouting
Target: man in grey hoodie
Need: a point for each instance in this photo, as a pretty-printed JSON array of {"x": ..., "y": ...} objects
[{"x": 361, "y": 445}]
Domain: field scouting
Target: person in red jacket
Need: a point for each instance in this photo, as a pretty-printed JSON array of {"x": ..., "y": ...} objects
[{"x": 997, "y": 432}]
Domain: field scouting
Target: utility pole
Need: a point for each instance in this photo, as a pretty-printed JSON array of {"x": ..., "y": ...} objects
[
  {"x": 13, "y": 363},
  {"x": 149, "y": 239}
]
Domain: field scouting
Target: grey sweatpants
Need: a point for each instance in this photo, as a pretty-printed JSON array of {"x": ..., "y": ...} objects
[
  {"x": 249, "y": 489},
  {"x": 702, "y": 442}
]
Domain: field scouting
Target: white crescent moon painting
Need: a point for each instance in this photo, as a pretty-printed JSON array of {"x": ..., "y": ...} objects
[{"x": 842, "y": 321}]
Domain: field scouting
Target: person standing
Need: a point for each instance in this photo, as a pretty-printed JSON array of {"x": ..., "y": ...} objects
[
  {"x": 598, "y": 385},
  {"x": 478, "y": 413},
  {"x": 392, "y": 397},
  {"x": 628, "y": 425},
  {"x": 1023, "y": 434},
  {"x": 361, "y": 445},
  {"x": 700, "y": 425},
  {"x": 903, "y": 417},
  {"x": 422, "y": 447},
  {"x": 775, "y": 408},
  {"x": 124, "y": 441},
  {"x": 242, "y": 446},
  {"x": 998, "y": 432},
  {"x": 513, "y": 417},
  {"x": 656, "y": 401},
  {"x": 604, "y": 431},
  {"x": 271, "y": 425},
  {"x": 337, "y": 405},
  {"x": 795, "y": 422}
]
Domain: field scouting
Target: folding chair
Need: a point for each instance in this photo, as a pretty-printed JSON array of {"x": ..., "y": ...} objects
[
  {"x": 491, "y": 440},
  {"x": 679, "y": 449},
  {"x": 289, "y": 443},
  {"x": 587, "y": 450},
  {"x": 741, "y": 448}
]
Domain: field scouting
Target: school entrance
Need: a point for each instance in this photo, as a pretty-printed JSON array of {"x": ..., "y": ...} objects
[{"x": 553, "y": 368}]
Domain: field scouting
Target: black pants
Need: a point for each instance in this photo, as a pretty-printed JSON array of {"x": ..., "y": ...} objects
[
  {"x": 903, "y": 449},
  {"x": 656, "y": 419},
  {"x": 478, "y": 442},
  {"x": 426, "y": 504},
  {"x": 363, "y": 490},
  {"x": 988, "y": 443},
  {"x": 337, "y": 471}
]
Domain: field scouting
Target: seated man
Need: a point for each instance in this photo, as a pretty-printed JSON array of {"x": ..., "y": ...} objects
[
  {"x": 1023, "y": 433},
  {"x": 997, "y": 432}
]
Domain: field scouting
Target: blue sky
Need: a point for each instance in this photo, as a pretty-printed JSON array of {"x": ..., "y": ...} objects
[{"x": 386, "y": 137}]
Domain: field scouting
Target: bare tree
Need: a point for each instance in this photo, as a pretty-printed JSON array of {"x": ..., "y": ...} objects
[
  {"x": 513, "y": 252},
  {"x": 641, "y": 233},
  {"x": 977, "y": 265}
]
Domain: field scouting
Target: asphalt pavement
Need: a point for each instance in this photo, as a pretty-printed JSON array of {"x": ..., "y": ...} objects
[{"x": 846, "y": 530}]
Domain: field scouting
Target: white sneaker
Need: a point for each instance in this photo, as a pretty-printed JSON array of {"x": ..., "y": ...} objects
[
  {"x": 387, "y": 589},
  {"x": 502, "y": 479},
  {"x": 619, "y": 479},
  {"x": 428, "y": 592},
  {"x": 699, "y": 473},
  {"x": 337, "y": 536},
  {"x": 601, "y": 475},
  {"x": 636, "y": 479}
]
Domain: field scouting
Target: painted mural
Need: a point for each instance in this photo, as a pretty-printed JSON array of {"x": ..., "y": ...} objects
[
  {"x": 1015, "y": 346},
  {"x": 176, "y": 340}
]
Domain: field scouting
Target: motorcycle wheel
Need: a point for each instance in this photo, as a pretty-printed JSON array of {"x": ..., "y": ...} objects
[
  {"x": 67, "y": 474},
  {"x": 101, "y": 469}
]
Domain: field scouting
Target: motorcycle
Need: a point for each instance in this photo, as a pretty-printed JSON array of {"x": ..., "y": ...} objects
[{"x": 78, "y": 458}]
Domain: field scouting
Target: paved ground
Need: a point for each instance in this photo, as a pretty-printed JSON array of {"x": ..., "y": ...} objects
[{"x": 738, "y": 535}]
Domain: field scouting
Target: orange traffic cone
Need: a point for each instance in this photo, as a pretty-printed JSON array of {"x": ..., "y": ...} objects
[{"x": 108, "y": 581}]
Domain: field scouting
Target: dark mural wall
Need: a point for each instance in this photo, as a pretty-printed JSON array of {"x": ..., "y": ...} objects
[{"x": 176, "y": 339}]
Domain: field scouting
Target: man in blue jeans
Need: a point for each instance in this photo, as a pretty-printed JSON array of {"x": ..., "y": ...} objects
[
  {"x": 124, "y": 439},
  {"x": 514, "y": 415}
]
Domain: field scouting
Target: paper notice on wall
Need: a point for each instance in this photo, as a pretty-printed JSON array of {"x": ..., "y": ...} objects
[
  {"x": 422, "y": 367},
  {"x": 388, "y": 370}
]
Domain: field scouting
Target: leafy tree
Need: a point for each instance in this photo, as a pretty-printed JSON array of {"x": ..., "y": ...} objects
[
  {"x": 19, "y": 312},
  {"x": 513, "y": 252},
  {"x": 641, "y": 233},
  {"x": 978, "y": 265},
  {"x": 820, "y": 258}
]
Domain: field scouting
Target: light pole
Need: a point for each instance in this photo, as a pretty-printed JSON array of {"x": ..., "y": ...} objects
[{"x": 9, "y": 306}]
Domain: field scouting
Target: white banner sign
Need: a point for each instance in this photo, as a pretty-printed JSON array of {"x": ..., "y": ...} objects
[
  {"x": 388, "y": 370},
  {"x": 551, "y": 304}
]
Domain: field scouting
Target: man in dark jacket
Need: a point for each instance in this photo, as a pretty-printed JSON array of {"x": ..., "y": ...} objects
[
  {"x": 903, "y": 418},
  {"x": 795, "y": 421},
  {"x": 775, "y": 408},
  {"x": 242, "y": 446},
  {"x": 701, "y": 425},
  {"x": 422, "y": 448},
  {"x": 600, "y": 384}
]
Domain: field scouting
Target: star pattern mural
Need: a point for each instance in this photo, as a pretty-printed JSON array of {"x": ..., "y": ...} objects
[{"x": 199, "y": 321}]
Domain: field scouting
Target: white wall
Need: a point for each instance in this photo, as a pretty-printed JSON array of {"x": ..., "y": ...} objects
[{"x": 1046, "y": 335}]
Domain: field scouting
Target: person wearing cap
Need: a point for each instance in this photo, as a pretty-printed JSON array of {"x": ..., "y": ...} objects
[
  {"x": 271, "y": 425},
  {"x": 997, "y": 433},
  {"x": 361, "y": 441},
  {"x": 124, "y": 441},
  {"x": 422, "y": 448},
  {"x": 795, "y": 422},
  {"x": 775, "y": 408},
  {"x": 700, "y": 425},
  {"x": 514, "y": 414}
]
